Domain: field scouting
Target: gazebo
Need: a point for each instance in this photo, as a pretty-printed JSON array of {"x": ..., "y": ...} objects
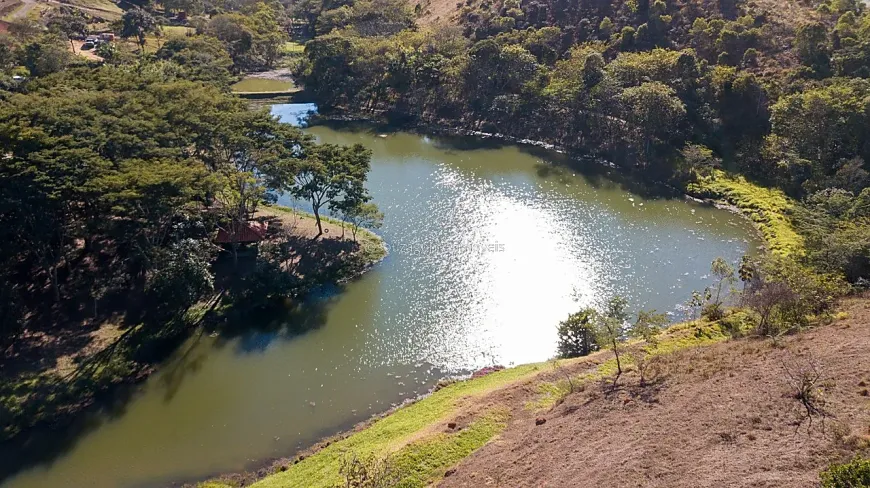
[{"x": 250, "y": 232}]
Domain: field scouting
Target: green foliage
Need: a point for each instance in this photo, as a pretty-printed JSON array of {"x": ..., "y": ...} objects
[
  {"x": 361, "y": 215},
  {"x": 367, "y": 472},
  {"x": 180, "y": 278},
  {"x": 811, "y": 45},
  {"x": 202, "y": 58},
  {"x": 254, "y": 38},
  {"x": 696, "y": 160},
  {"x": 45, "y": 55},
  {"x": 611, "y": 327},
  {"x": 836, "y": 224},
  {"x": 787, "y": 295},
  {"x": 577, "y": 335},
  {"x": 648, "y": 326},
  {"x": 767, "y": 208},
  {"x": 69, "y": 23},
  {"x": 333, "y": 176},
  {"x": 138, "y": 23},
  {"x": 855, "y": 474}
]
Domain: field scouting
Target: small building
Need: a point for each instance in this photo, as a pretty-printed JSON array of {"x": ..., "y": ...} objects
[{"x": 251, "y": 232}]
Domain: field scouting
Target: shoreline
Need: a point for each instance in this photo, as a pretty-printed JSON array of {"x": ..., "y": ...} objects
[
  {"x": 696, "y": 192},
  {"x": 460, "y": 392},
  {"x": 210, "y": 312}
]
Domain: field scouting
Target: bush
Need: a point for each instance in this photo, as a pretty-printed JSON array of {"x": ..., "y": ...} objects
[
  {"x": 181, "y": 277},
  {"x": 367, "y": 472},
  {"x": 577, "y": 335},
  {"x": 855, "y": 474},
  {"x": 737, "y": 323},
  {"x": 787, "y": 295}
]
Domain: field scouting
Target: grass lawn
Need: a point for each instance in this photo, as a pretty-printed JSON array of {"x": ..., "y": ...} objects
[
  {"x": 292, "y": 48},
  {"x": 262, "y": 85},
  {"x": 105, "y": 5},
  {"x": 170, "y": 31}
]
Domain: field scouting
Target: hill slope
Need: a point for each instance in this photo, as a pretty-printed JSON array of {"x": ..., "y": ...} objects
[{"x": 723, "y": 415}]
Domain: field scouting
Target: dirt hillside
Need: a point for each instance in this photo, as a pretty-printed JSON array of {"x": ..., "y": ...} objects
[{"x": 716, "y": 416}]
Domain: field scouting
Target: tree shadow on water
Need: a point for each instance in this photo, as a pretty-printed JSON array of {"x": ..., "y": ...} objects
[
  {"x": 45, "y": 444},
  {"x": 599, "y": 174}
]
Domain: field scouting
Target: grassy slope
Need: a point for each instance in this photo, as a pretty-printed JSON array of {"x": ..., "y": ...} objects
[
  {"x": 430, "y": 453},
  {"x": 439, "y": 451}
]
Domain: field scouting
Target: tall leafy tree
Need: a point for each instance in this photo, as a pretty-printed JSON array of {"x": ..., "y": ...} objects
[
  {"x": 139, "y": 23},
  {"x": 332, "y": 176},
  {"x": 68, "y": 23}
]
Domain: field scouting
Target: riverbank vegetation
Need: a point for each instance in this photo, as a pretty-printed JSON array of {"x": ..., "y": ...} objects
[
  {"x": 133, "y": 200},
  {"x": 730, "y": 101},
  {"x": 134, "y": 188}
]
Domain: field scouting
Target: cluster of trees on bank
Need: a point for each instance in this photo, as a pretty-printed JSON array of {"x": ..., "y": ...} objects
[
  {"x": 113, "y": 181},
  {"x": 672, "y": 89}
]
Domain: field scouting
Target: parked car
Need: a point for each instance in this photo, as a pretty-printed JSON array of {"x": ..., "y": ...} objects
[{"x": 87, "y": 46}]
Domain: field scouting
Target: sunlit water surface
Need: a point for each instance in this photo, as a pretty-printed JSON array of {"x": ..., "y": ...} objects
[{"x": 489, "y": 248}]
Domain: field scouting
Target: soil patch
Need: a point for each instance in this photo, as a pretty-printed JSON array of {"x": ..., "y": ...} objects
[{"x": 722, "y": 415}]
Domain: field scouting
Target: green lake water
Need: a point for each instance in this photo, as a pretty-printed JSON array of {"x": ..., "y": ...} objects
[{"x": 490, "y": 246}]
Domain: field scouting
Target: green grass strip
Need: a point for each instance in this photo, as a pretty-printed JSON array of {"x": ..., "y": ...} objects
[
  {"x": 322, "y": 468},
  {"x": 421, "y": 463},
  {"x": 768, "y": 208}
]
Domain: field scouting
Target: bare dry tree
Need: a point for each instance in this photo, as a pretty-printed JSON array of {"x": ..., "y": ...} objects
[{"x": 803, "y": 377}]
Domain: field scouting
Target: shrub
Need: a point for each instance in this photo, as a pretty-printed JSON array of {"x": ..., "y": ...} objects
[
  {"x": 737, "y": 323},
  {"x": 855, "y": 474},
  {"x": 367, "y": 472},
  {"x": 787, "y": 295},
  {"x": 577, "y": 335}
]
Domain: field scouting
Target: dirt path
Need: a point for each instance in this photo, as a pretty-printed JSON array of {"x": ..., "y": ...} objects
[
  {"x": 23, "y": 11},
  {"x": 724, "y": 415}
]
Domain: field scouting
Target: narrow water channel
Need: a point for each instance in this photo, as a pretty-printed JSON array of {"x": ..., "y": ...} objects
[{"x": 490, "y": 246}]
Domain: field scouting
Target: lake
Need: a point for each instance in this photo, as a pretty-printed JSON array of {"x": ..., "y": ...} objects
[{"x": 491, "y": 245}]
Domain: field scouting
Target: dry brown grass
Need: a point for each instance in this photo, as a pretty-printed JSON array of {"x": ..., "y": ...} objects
[{"x": 726, "y": 414}]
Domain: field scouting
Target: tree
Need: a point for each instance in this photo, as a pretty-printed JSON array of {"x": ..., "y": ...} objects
[
  {"x": 187, "y": 6},
  {"x": 577, "y": 334},
  {"x": 654, "y": 112},
  {"x": 45, "y": 55},
  {"x": 746, "y": 271},
  {"x": 725, "y": 274},
  {"x": 611, "y": 327},
  {"x": 203, "y": 58},
  {"x": 70, "y": 24},
  {"x": 362, "y": 215},
  {"x": 811, "y": 43},
  {"x": 648, "y": 325},
  {"x": 138, "y": 23},
  {"x": 181, "y": 278},
  {"x": 334, "y": 176}
]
